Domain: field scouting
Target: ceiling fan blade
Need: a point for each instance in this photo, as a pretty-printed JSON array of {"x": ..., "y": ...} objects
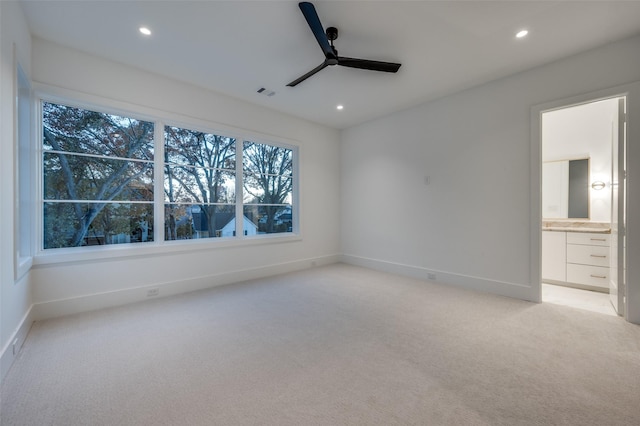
[
  {"x": 309, "y": 74},
  {"x": 310, "y": 14},
  {"x": 366, "y": 64}
]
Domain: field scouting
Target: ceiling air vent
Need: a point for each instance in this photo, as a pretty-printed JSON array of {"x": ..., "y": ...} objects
[{"x": 266, "y": 92}]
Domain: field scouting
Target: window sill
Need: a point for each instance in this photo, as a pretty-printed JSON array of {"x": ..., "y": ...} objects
[
  {"x": 23, "y": 265},
  {"x": 120, "y": 251}
]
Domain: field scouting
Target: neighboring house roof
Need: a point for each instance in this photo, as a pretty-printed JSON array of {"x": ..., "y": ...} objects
[{"x": 201, "y": 224}]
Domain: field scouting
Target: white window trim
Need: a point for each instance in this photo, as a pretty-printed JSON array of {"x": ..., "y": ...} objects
[
  {"x": 23, "y": 247},
  {"x": 46, "y": 93}
]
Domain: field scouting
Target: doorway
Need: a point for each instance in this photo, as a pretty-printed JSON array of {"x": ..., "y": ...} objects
[{"x": 583, "y": 205}]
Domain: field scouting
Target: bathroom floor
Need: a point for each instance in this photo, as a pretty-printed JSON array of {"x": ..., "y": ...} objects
[{"x": 576, "y": 298}]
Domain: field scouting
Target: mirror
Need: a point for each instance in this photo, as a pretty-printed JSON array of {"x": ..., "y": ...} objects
[{"x": 565, "y": 189}]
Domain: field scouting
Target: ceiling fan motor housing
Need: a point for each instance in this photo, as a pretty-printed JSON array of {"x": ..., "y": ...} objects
[{"x": 332, "y": 33}]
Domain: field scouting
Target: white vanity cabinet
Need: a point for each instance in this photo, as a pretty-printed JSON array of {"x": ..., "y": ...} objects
[
  {"x": 588, "y": 259},
  {"x": 579, "y": 259},
  {"x": 554, "y": 256}
]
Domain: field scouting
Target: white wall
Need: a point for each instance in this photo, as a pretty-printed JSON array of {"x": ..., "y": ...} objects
[
  {"x": 63, "y": 287},
  {"x": 15, "y": 297},
  {"x": 584, "y": 131},
  {"x": 471, "y": 225}
]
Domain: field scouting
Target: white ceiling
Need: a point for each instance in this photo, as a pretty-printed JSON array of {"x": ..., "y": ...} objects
[{"x": 236, "y": 47}]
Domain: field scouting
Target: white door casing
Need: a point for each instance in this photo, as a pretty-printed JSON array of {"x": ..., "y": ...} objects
[{"x": 618, "y": 218}]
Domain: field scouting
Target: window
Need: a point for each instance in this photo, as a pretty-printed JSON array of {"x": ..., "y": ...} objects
[
  {"x": 99, "y": 174},
  {"x": 268, "y": 187},
  {"x": 97, "y": 178},
  {"x": 199, "y": 184}
]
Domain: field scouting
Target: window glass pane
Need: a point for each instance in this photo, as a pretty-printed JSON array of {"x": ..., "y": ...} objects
[
  {"x": 87, "y": 224},
  {"x": 199, "y": 171},
  {"x": 77, "y": 177},
  {"x": 198, "y": 185},
  {"x": 79, "y": 130},
  {"x": 270, "y": 219},
  {"x": 268, "y": 187},
  {"x": 190, "y": 147},
  {"x": 268, "y": 172},
  {"x": 193, "y": 221},
  {"x": 96, "y": 157}
]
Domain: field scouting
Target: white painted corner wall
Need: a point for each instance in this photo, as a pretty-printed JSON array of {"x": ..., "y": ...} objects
[
  {"x": 15, "y": 292},
  {"x": 470, "y": 223}
]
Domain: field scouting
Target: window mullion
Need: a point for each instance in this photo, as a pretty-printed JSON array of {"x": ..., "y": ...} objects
[
  {"x": 239, "y": 186},
  {"x": 39, "y": 176},
  {"x": 295, "y": 191},
  {"x": 158, "y": 183}
]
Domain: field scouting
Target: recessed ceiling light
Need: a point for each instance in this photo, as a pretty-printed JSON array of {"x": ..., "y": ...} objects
[
  {"x": 145, "y": 30},
  {"x": 522, "y": 33},
  {"x": 340, "y": 107}
]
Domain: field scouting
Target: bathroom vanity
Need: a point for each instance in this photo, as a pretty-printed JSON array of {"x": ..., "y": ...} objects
[{"x": 576, "y": 254}]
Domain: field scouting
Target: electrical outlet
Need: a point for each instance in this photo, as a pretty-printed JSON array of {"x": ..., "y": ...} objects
[
  {"x": 431, "y": 276},
  {"x": 153, "y": 292}
]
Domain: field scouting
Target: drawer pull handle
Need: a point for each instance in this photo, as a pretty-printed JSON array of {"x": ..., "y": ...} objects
[
  {"x": 598, "y": 239},
  {"x": 598, "y": 255},
  {"x": 598, "y": 276}
]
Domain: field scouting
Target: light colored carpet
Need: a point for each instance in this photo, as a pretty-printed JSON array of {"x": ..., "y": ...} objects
[{"x": 337, "y": 345}]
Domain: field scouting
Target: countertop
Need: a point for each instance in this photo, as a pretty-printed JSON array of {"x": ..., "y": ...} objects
[{"x": 590, "y": 227}]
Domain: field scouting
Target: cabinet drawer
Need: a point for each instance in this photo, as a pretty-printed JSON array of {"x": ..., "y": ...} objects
[
  {"x": 586, "y": 238},
  {"x": 588, "y": 255},
  {"x": 597, "y": 276}
]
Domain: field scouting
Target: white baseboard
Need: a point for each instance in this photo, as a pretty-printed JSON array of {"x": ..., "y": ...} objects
[
  {"x": 91, "y": 302},
  {"x": 502, "y": 288},
  {"x": 12, "y": 347}
]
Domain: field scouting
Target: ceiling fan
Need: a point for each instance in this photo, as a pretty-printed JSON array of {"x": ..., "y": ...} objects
[{"x": 325, "y": 40}]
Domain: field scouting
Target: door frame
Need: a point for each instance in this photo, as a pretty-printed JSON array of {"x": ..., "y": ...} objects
[{"x": 632, "y": 250}]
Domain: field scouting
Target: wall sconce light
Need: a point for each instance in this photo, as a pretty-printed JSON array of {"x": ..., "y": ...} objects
[{"x": 598, "y": 185}]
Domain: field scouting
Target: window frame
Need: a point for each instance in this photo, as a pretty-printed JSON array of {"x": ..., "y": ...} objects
[
  {"x": 40, "y": 152},
  {"x": 295, "y": 176},
  {"x": 160, "y": 119},
  {"x": 24, "y": 165},
  {"x": 207, "y": 130}
]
